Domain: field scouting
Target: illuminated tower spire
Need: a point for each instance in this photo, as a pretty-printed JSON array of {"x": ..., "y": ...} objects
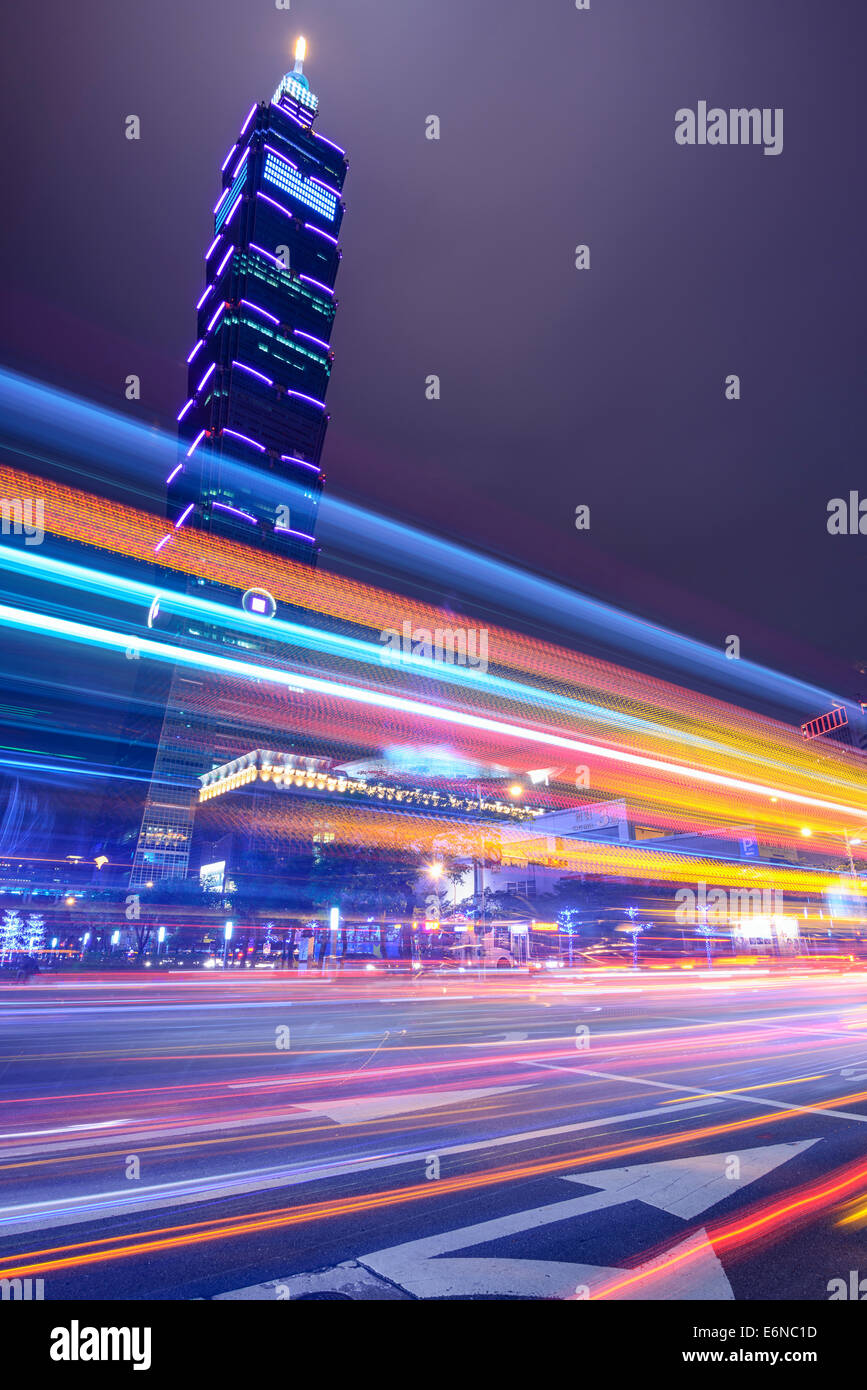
[{"x": 253, "y": 426}]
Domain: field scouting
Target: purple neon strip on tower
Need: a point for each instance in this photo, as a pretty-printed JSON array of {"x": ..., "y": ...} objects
[
  {"x": 259, "y": 310},
  {"x": 238, "y": 167},
  {"x": 187, "y": 407},
  {"x": 211, "y": 369},
  {"x": 286, "y": 112},
  {"x": 213, "y": 246},
  {"x": 325, "y": 142},
  {"x": 249, "y": 118},
  {"x": 252, "y": 370},
  {"x": 271, "y": 150},
  {"x": 309, "y": 227},
  {"x": 246, "y": 440},
  {"x": 308, "y": 279},
  {"x": 310, "y": 338},
  {"x": 266, "y": 254},
  {"x": 222, "y": 198},
  {"x": 238, "y": 201},
  {"x": 196, "y": 442},
  {"x": 174, "y": 473},
  {"x": 236, "y": 511},
  {"x": 302, "y": 463},
  {"x": 287, "y": 212},
  {"x": 312, "y": 399},
  {"x": 165, "y": 540},
  {"x": 228, "y": 157},
  {"x": 183, "y": 516},
  {"x": 221, "y": 267},
  {"x": 195, "y": 350},
  {"x": 335, "y": 192},
  {"x": 216, "y": 316},
  {"x": 209, "y": 290},
  {"x": 289, "y": 532}
]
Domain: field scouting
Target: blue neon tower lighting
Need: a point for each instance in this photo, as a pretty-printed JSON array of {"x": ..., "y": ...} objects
[{"x": 261, "y": 361}]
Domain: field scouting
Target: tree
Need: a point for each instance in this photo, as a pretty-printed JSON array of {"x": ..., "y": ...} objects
[
  {"x": 140, "y": 933},
  {"x": 35, "y": 934},
  {"x": 11, "y": 933}
]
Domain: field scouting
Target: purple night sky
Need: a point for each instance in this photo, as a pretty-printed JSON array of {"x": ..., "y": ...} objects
[{"x": 559, "y": 387}]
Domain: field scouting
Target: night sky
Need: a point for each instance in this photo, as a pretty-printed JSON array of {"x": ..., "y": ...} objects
[{"x": 559, "y": 387}]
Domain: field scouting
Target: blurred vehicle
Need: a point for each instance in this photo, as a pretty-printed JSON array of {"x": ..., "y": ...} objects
[
  {"x": 600, "y": 956},
  {"x": 471, "y": 956}
]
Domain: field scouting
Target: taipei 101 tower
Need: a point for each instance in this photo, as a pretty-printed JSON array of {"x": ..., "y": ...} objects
[{"x": 253, "y": 425}]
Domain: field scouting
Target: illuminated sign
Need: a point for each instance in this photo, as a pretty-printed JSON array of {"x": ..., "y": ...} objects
[
  {"x": 259, "y": 603},
  {"x": 758, "y": 928},
  {"x": 212, "y": 876},
  {"x": 834, "y": 719}
]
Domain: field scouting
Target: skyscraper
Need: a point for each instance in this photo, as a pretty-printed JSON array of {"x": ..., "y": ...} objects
[
  {"x": 259, "y": 369},
  {"x": 253, "y": 425}
]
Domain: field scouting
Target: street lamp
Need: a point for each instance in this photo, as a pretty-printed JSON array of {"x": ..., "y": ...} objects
[{"x": 333, "y": 928}]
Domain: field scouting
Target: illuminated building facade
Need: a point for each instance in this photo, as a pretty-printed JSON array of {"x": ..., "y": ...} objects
[
  {"x": 318, "y": 778},
  {"x": 254, "y": 422},
  {"x": 253, "y": 425},
  {"x": 264, "y": 811}
]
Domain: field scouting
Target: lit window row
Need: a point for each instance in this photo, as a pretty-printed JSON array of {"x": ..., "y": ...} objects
[
  {"x": 293, "y": 183},
  {"x": 295, "y": 89},
  {"x": 232, "y": 199},
  {"x": 281, "y": 345}
]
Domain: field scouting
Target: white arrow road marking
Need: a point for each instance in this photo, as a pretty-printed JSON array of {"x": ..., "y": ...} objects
[
  {"x": 345, "y": 1112},
  {"x": 686, "y": 1186},
  {"x": 356, "y": 1110},
  {"x": 88, "y": 1206},
  {"x": 682, "y": 1187},
  {"x": 419, "y": 1268}
]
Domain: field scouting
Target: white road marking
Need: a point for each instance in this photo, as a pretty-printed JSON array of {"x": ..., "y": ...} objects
[
  {"x": 686, "y": 1186},
  {"x": 682, "y": 1187},
  {"x": 66, "y": 1129},
  {"x": 701, "y": 1091},
  {"x": 98, "y": 1205},
  {"x": 357, "y": 1110},
  {"x": 702, "y": 1277}
]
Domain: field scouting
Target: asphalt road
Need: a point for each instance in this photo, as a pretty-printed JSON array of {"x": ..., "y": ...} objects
[{"x": 618, "y": 1136}]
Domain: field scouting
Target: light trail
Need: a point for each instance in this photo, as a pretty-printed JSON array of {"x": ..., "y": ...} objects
[{"x": 89, "y": 635}]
